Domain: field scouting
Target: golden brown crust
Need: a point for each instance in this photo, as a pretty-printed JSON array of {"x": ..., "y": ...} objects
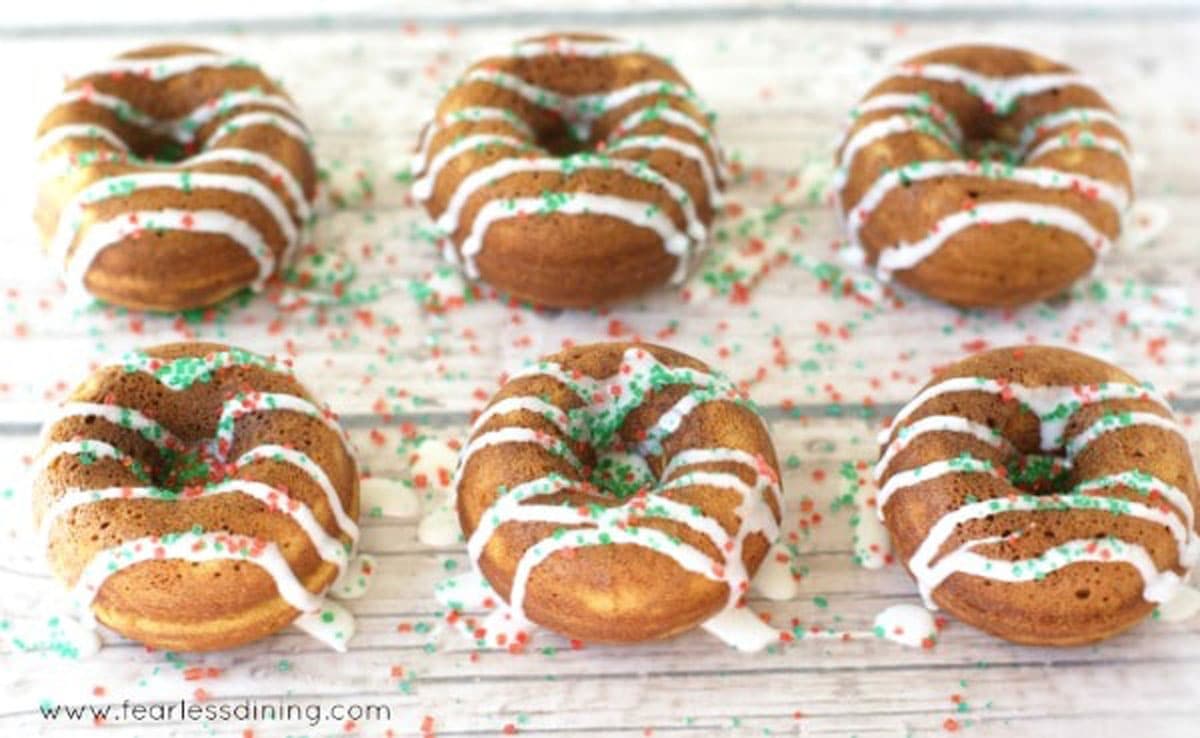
[
  {"x": 189, "y": 266},
  {"x": 549, "y": 256},
  {"x": 1006, "y": 263},
  {"x": 620, "y": 592},
  {"x": 173, "y": 603},
  {"x": 1084, "y": 601}
]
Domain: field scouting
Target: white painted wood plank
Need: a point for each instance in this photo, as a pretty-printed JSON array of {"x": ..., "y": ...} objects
[{"x": 782, "y": 79}]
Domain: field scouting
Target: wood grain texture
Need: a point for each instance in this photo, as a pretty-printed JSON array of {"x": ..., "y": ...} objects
[{"x": 782, "y": 78}]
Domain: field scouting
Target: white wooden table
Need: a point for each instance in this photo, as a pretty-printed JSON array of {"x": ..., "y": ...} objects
[{"x": 824, "y": 351}]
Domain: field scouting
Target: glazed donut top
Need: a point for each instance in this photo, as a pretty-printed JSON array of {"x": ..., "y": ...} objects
[
  {"x": 1015, "y": 129},
  {"x": 181, "y": 142},
  {"x": 617, "y": 122},
  {"x": 195, "y": 453},
  {"x": 1012, "y": 450},
  {"x": 611, "y": 458}
]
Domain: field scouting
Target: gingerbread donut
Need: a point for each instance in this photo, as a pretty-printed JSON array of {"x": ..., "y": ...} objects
[
  {"x": 983, "y": 176},
  {"x": 195, "y": 497},
  {"x": 172, "y": 177},
  {"x": 1041, "y": 495},
  {"x": 574, "y": 171},
  {"x": 617, "y": 492}
]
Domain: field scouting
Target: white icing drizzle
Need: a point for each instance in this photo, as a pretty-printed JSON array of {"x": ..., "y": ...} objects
[
  {"x": 742, "y": 629},
  {"x": 656, "y": 113},
  {"x": 106, "y": 234},
  {"x": 908, "y": 625},
  {"x": 877, "y": 130},
  {"x": 249, "y": 120},
  {"x": 92, "y": 449},
  {"x": 603, "y": 525},
  {"x": 158, "y": 68},
  {"x": 183, "y": 129},
  {"x": 332, "y": 625},
  {"x": 581, "y": 110},
  {"x": 519, "y": 434},
  {"x": 1158, "y": 586},
  {"x": 636, "y": 212},
  {"x": 194, "y": 547},
  {"x": 1054, "y": 407},
  {"x": 328, "y": 547},
  {"x": 775, "y": 579},
  {"x": 475, "y": 114},
  {"x": 123, "y": 417},
  {"x": 1085, "y": 117},
  {"x": 940, "y": 424},
  {"x": 1116, "y": 197},
  {"x": 907, "y": 255},
  {"x": 448, "y": 221},
  {"x": 255, "y": 402},
  {"x": 1116, "y": 422},
  {"x": 689, "y": 151},
  {"x": 911, "y": 103},
  {"x": 577, "y": 47},
  {"x": 547, "y": 410},
  {"x": 928, "y": 472},
  {"x": 422, "y": 188},
  {"x": 1112, "y": 145},
  {"x": 275, "y": 171},
  {"x": 388, "y": 498},
  {"x": 71, "y": 217},
  {"x": 68, "y": 131},
  {"x": 303, "y": 462},
  {"x": 998, "y": 92},
  {"x": 1183, "y": 606}
]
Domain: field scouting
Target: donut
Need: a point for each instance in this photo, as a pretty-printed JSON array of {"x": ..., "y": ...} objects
[
  {"x": 617, "y": 492},
  {"x": 194, "y": 497},
  {"x": 982, "y": 176},
  {"x": 172, "y": 177},
  {"x": 575, "y": 170},
  {"x": 1041, "y": 495}
]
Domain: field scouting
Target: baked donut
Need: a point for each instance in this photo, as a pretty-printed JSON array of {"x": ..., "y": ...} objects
[
  {"x": 617, "y": 492},
  {"x": 172, "y": 177},
  {"x": 194, "y": 497},
  {"x": 574, "y": 171},
  {"x": 982, "y": 176},
  {"x": 1041, "y": 495}
]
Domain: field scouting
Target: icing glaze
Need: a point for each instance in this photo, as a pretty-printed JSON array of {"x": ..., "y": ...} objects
[
  {"x": 388, "y": 498},
  {"x": 908, "y": 625}
]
